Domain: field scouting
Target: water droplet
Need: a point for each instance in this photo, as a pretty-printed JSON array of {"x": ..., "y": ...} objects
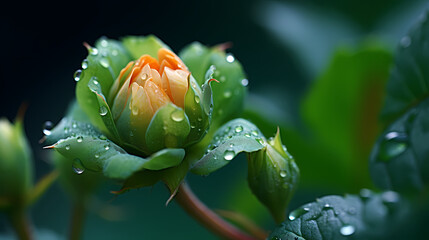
[
  {"x": 106, "y": 147},
  {"x": 177, "y": 115},
  {"x": 192, "y": 126},
  {"x": 85, "y": 64},
  {"x": 131, "y": 134},
  {"x": 238, "y": 129},
  {"x": 135, "y": 110},
  {"x": 77, "y": 166},
  {"x": 247, "y": 134},
  {"x": 77, "y": 75},
  {"x": 390, "y": 197},
  {"x": 67, "y": 147},
  {"x": 231, "y": 145},
  {"x": 115, "y": 52},
  {"x": 47, "y": 127},
  {"x": 255, "y": 133},
  {"x": 102, "y": 137},
  {"x": 276, "y": 238},
  {"x": 104, "y": 62},
  {"x": 229, "y": 154},
  {"x": 352, "y": 211},
  {"x": 227, "y": 94},
  {"x": 104, "y": 43},
  {"x": 393, "y": 144},
  {"x": 74, "y": 124},
  {"x": 197, "y": 99},
  {"x": 94, "y": 80},
  {"x": 143, "y": 76},
  {"x": 405, "y": 41},
  {"x": 66, "y": 130},
  {"x": 79, "y": 139},
  {"x": 199, "y": 119},
  {"x": 244, "y": 82},
  {"x": 103, "y": 111},
  {"x": 297, "y": 213},
  {"x": 260, "y": 140},
  {"x": 283, "y": 174},
  {"x": 230, "y": 58},
  {"x": 347, "y": 230},
  {"x": 93, "y": 51},
  {"x": 365, "y": 193},
  {"x": 96, "y": 156},
  {"x": 326, "y": 206}
]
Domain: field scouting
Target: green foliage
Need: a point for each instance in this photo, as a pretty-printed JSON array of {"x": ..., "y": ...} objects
[
  {"x": 364, "y": 216},
  {"x": 399, "y": 160}
]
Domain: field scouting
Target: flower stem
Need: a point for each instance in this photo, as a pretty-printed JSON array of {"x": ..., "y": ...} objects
[
  {"x": 194, "y": 207},
  {"x": 19, "y": 220},
  {"x": 77, "y": 219}
]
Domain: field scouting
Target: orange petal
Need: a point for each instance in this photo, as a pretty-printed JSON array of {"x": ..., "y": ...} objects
[
  {"x": 157, "y": 96},
  {"x": 178, "y": 80},
  {"x": 147, "y": 59},
  {"x": 170, "y": 57}
]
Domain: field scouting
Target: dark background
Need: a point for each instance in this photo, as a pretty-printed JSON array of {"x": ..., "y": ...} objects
[{"x": 42, "y": 47}]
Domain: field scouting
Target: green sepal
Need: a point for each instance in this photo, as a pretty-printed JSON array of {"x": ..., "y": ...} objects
[
  {"x": 104, "y": 111},
  {"x": 139, "y": 45},
  {"x": 207, "y": 94},
  {"x": 103, "y": 64},
  {"x": 198, "y": 119},
  {"x": 236, "y": 136},
  {"x": 368, "y": 216},
  {"x": 229, "y": 94},
  {"x": 273, "y": 177},
  {"x": 168, "y": 128}
]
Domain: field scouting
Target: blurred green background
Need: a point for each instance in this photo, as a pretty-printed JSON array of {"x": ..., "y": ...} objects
[{"x": 312, "y": 66}]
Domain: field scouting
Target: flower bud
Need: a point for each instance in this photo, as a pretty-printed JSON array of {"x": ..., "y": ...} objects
[
  {"x": 273, "y": 176},
  {"x": 15, "y": 163}
]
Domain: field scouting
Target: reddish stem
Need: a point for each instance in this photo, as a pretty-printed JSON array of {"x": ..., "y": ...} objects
[{"x": 194, "y": 207}]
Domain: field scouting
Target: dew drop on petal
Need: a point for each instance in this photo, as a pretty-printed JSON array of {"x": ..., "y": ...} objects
[
  {"x": 347, "y": 230},
  {"x": 47, "y": 127}
]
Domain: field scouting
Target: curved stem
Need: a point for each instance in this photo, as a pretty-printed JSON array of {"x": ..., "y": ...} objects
[
  {"x": 19, "y": 220},
  {"x": 194, "y": 207},
  {"x": 77, "y": 219}
]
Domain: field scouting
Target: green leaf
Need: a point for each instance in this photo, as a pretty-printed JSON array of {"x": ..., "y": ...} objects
[
  {"x": 399, "y": 159},
  {"x": 139, "y": 45},
  {"x": 103, "y": 64},
  {"x": 236, "y": 136},
  {"x": 340, "y": 112},
  {"x": 168, "y": 128},
  {"x": 198, "y": 119},
  {"x": 368, "y": 216},
  {"x": 230, "y": 92}
]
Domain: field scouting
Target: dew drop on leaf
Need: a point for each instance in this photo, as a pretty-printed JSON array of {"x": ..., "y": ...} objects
[
  {"x": 230, "y": 58},
  {"x": 77, "y": 166},
  {"x": 297, "y": 213},
  {"x": 347, "y": 230},
  {"x": 177, "y": 116},
  {"x": 79, "y": 139},
  {"x": 283, "y": 174},
  {"x": 85, "y": 64},
  {"x": 393, "y": 144},
  {"x": 244, "y": 82},
  {"x": 106, "y": 147},
  {"x": 47, "y": 127},
  {"x": 238, "y": 129},
  {"x": 229, "y": 154},
  {"x": 103, "y": 111},
  {"x": 77, "y": 75},
  {"x": 67, "y": 147},
  {"x": 227, "y": 94},
  {"x": 93, "y": 51},
  {"x": 390, "y": 197},
  {"x": 197, "y": 99},
  {"x": 104, "y": 63}
]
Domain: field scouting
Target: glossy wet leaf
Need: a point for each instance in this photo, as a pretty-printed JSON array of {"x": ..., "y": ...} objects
[
  {"x": 399, "y": 159},
  {"x": 364, "y": 216},
  {"x": 103, "y": 64},
  {"x": 229, "y": 93},
  {"x": 236, "y": 136}
]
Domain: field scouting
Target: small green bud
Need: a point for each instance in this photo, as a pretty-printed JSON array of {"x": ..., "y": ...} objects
[
  {"x": 273, "y": 176},
  {"x": 15, "y": 163}
]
